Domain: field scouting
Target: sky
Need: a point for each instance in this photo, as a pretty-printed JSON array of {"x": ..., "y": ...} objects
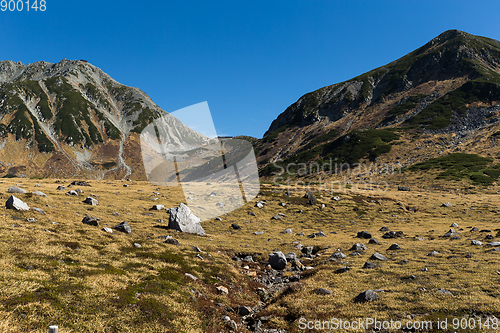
[{"x": 249, "y": 60}]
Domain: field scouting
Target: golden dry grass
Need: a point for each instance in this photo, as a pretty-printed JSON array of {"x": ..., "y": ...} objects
[{"x": 83, "y": 279}]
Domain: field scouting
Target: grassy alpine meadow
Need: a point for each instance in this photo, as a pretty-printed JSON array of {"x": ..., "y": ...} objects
[{"x": 56, "y": 270}]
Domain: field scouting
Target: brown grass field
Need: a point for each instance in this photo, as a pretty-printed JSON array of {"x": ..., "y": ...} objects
[{"x": 59, "y": 271}]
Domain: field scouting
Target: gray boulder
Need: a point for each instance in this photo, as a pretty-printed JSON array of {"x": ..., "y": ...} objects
[
  {"x": 358, "y": 247},
  {"x": 17, "y": 190},
  {"x": 182, "y": 219},
  {"x": 91, "y": 201},
  {"x": 378, "y": 256},
  {"x": 15, "y": 203},
  {"x": 364, "y": 234},
  {"x": 39, "y": 194},
  {"x": 123, "y": 227},
  {"x": 366, "y": 296},
  {"x": 277, "y": 260},
  {"x": 91, "y": 220}
]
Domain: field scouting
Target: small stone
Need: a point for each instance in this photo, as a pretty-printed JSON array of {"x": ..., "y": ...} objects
[
  {"x": 277, "y": 217},
  {"x": 373, "y": 241},
  {"x": 403, "y": 188},
  {"x": 156, "y": 207},
  {"x": 394, "y": 247},
  {"x": 222, "y": 290},
  {"x": 137, "y": 245},
  {"x": 16, "y": 190},
  {"x": 366, "y": 296},
  {"x": 287, "y": 231},
  {"x": 323, "y": 291},
  {"x": 91, "y": 220},
  {"x": 192, "y": 277},
  {"x": 358, "y": 247},
  {"x": 235, "y": 226},
  {"x": 108, "y": 230},
  {"x": 338, "y": 256},
  {"x": 444, "y": 292},
  {"x": 370, "y": 265},
  {"x": 123, "y": 227},
  {"x": 476, "y": 242},
  {"x": 454, "y": 225},
  {"x": 446, "y": 204},
  {"x": 378, "y": 256},
  {"x": 258, "y": 233},
  {"x": 342, "y": 270},
  {"x": 433, "y": 253},
  {"x": 277, "y": 260},
  {"x": 171, "y": 241},
  {"x": 493, "y": 244},
  {"x": 218, "y": 219},
  {"x": 38, "y": 210},
  {"x": 243, "y": 310},
  {"x": 91, "y": 201},
  {"x": 364, "y": 234},
  {"x": 39, "y": 194}
]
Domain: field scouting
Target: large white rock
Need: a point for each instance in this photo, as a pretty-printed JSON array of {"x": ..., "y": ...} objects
[
  {"x": 182, "y": 219},
  {"x": 17, "y": 204}
]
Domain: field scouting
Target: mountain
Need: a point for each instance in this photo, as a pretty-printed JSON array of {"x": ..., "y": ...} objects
[
  {"x": 448, "y": 89},
  {"x": 71, "y": 118}
]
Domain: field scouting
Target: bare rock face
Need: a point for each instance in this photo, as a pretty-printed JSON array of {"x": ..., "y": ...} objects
[
  {"x": 182, "y": 219},
  {"x": 15, "y": 203}
]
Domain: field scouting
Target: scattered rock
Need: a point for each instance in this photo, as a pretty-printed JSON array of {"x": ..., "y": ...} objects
[
  {"x": 259, "y": 204},
  {"x": 258, "y": 233},
  {"x": 287, "y": 231},
  {"x": 172, "y": 241},
  {"x": 123, "y": 227},
  {"x": 91, "y": 201},
  {"x": 192, "y": 277},
  {"x": 39, "y": 194},
  {"x": 243, "y": 310},
  {"x": 433, "y": 253},
  {"x": 91, "y": 220},
  {"x": 342, "y": 270},
  {"x": 338, "y": 256},
  {"x": 108, "y": 230},
  {"x": 277, "y": 217},
  {"x": 16, "y": 190},
  {"x": 235, "y": 226},
  {"x": 378, "y": 256},
  {"x": 218, "y": 219},
  {"x": 369, "y": 265},
  {"x": 291, "y": 256},
  {"x": 38, "y": 210},
  {"x": 366, "y": 296},
  {"x": 403, "y": 188},
  {"x": 72, "y": 192},
  {"x": 358, "y": 247},
  {"x": 182, "y": 219},
  {"x": 450, "y": 233},
  {"x": 323, "y": 291},
  {"x": 156, "y": 207},
  {"x": 454, "y": 225},
  {"x": 384, "y": 229},
  {"x": 373, "y": 241},
  {"x": 394, "y": 247},
  {"x": 311, "y": 199},
  {"x": 392, "y": 234},
  {"x": 137, "y": 245},
  {"x": 444, "y": 292},
  {"x": 476, "y": 242},
  {"x": 364, "y": 234},
  {"x": 493, "y": 244},
  {"x": 277, "y": 260},
  {"x": 61, "y": 188},
  {"x": 446, "y": 204},
  {"x": 222, "y": 290},
  {"x": 15, "y": 203},
  {"x": 80, "y": 183}
]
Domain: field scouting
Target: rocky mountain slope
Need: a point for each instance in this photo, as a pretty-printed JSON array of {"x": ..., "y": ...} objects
[
  {"x": 72, "y": 118},
  {"x": 447, "y": 90}
]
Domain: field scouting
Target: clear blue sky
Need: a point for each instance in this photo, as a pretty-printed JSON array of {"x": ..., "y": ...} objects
[{"x": 248, "y": 59}]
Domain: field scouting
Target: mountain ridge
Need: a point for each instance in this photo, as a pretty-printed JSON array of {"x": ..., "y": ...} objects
[
  {"x": 73, "y": 118},
  {"x": 450, "y": 85}
]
